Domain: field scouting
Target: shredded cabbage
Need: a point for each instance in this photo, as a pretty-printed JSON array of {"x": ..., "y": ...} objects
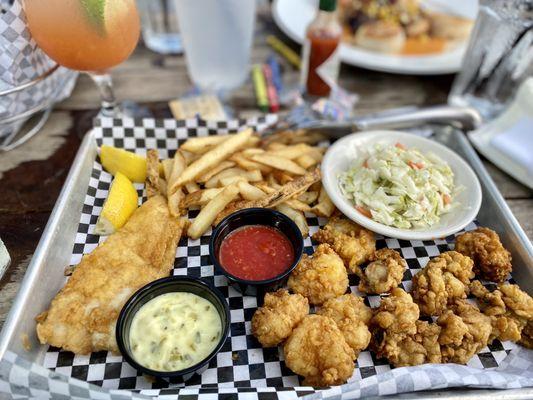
[{"x": 400, "y": 187}]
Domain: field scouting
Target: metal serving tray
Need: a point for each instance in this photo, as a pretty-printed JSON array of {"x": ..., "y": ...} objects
[{"x": 44, "y": 276}]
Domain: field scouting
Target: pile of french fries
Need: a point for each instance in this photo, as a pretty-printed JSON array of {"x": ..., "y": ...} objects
[{"x": 223, "y": 174}]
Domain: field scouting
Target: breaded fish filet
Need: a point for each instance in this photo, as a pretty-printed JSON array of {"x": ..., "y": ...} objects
[{"x": 83, "y": 315}]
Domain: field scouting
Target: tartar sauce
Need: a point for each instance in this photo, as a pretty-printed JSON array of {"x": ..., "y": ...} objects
[{"x": 174, "y": 331}]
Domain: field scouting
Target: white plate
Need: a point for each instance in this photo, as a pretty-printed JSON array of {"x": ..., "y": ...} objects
[
  {"x": 293, "y": 16},
  {"x": 342, "y": 153}
]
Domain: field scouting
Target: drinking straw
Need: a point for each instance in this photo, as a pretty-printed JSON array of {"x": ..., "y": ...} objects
[
  {"x": 260, "y": 88},
  {"x": 276, "y": 72},
  {"x": 272, "y": 93},
  {"x": 289, "y": 54}
]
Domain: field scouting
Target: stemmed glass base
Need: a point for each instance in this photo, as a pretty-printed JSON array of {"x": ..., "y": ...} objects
[{"x": 110, "y": 107}]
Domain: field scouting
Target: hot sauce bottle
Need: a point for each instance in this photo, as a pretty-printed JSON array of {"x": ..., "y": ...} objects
[{"x": 320, "y": 68}]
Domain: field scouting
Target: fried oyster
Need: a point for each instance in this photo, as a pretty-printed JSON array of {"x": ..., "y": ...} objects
[
  {"x": 281, "y": 312},
  {"x": 509, "y": 308},
  {"x": 444, "y": 279},
  {"x": 491, "y": 260},
  {"x": 398, "y": 334},
  {"x": 320, "y": 277},
  {"x": 384, "y": 273},
  {"x": 354, "y": 244},
  {"x": 318, "y": 351},
  {"x": 352, "y": 317},
  {"x": 464, "y": 332}
]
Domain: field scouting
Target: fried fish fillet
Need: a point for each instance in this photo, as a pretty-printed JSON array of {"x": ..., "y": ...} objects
[{"x": 83, "y": 315}]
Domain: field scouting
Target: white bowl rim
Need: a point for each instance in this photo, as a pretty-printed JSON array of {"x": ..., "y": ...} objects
[{"x": 431, "y": 233}]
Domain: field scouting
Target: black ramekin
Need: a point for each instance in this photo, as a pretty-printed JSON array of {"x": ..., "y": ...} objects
[
  {"x": 256, "y": 216},
  {"x": 159, "y": 287}
]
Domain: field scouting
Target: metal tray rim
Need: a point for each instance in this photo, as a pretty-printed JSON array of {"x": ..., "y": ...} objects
[{"x": 76, "y": 170}]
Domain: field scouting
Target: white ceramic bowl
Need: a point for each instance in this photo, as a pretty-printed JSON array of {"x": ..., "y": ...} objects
[{"x": 342, "y": 154}]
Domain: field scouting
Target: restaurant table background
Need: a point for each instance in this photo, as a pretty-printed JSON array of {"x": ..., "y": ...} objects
[{"x": 32, "y": 175}]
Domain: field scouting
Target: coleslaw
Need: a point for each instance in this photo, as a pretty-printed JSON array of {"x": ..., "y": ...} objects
[{"x": 399, "y": 186}]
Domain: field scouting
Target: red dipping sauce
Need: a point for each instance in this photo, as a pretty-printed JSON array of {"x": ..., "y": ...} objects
[{"x": 256, "y": 253}]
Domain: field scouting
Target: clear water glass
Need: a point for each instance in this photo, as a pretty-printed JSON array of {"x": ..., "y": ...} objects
[
  {"x": 160, "y": 30},
  {"x": 217, "y": 38},
  {"x": 499, "y": 56}
]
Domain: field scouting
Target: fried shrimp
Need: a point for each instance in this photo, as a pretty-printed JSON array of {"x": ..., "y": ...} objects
[
  {"x": 384, "y": 273},
  {"x": 509, "y": 308},
  {"x": 399, "y": 336},
  {"x": 352, "y": 317},
  {"x": 491, "y": 260},
  {"x": 354, "y": 244},
  {"x": 320, "y": 277},
  {"x": 318, "y": 351},
  {"x": 444, "y": 279},
  {"x": 465, "y": 331},
  {"x": 281, "y": 312}
]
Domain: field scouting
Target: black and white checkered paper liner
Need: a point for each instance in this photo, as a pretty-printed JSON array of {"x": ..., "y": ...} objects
[
  {"x": 243, "y": 366},
  {"x": 21, "y": 61}
]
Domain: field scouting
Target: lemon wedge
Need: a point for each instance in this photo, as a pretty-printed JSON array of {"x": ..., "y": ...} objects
[
  {"x": 132, "y": 165},
  {"x": 118, "y": 207}
]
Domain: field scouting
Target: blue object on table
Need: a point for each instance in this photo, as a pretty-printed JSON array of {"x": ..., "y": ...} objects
[{"x": 276, "y": 72}]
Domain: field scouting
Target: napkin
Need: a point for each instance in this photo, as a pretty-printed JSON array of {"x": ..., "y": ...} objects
[{"x": 517, "y": 142}]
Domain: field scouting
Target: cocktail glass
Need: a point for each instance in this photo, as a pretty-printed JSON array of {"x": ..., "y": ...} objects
[{"x": 91, "y": 36}]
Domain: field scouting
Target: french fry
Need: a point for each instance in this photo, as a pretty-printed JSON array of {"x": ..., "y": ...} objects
[
  {"x": 208, "y": 214},
  {"x": 173, "y": 201},
  {"x": 274, "y": 146},
  {"x": 252, "y": 142},
  {"x": 231, "y": 180},
  {"x": 324, "y": 207},
  {"x": 306, "y": 161},
  {"x": 292, "y": 152},
  {"x": 162, "y": 186},
  {"x": 308, "y": 197},
  {"x": 214, "y": 156},
  {"x": 189, "y": 157},
  {"x": 297, "y": 216},
  {"x": 264, "y": 187},
  {"x": 200, "y": 197},
  {"x": 298, "y": 205},
  {"x": 282, "y": 177},
  {"x": 250, "y": 176},
  {"x": 178, "y": 166},
  {"x": 152, "y": 173},
  {"x": 252, "y": 152},
  {"x": 248, "y": 164},
  {"x": 250, "y": 192},
  {"x": 167, "y": 168},
  {"x": 291, "y": 189},
  {"x": 272, "y": 181},
  {"x": 212, "y": 172},
  {"x": 200, "y": 144},
  {"x": 280, "y": 163},
  {"x": 192, "y": 187}
]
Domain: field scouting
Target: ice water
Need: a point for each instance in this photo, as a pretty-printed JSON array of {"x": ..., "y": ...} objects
[
  {"x": 160, "y": 30},
  {"x": 217, "y": 37},
  {"x": 499, "y": 56}
]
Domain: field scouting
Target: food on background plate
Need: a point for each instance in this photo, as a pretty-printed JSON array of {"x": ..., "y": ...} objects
[
  {"x": 443, "y": 280},
  {"x": 354, "y": 244},
  {"x": 174, "y": 331},
  {"x": 280, "y": 314},
  {"x": 383, "y": 274},
  {"x": 491, "y": 260},
  {"x": 320, "y": 277},
  {"x": 82, "y": 316},
  {"x": 400, "y": 187},
  {"x": 132, "y": 165},
  {"x": 464, "y": 332},
  {"x": 401, "y": 26},
  {"x": 509, "y": 308},
  {"x": 121, "y": 202},
  {"x": 256, "y": 253},
  {"x": 318, "y": 351},
  {"x": 352, "y": 317},
  {"x": 527, "y": 336}
]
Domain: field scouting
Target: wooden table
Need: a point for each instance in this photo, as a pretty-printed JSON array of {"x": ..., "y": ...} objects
[{"x": 32, "y": 175}]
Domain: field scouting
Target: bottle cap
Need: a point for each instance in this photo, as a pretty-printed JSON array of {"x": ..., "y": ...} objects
[{"x": 328, "y": 5}]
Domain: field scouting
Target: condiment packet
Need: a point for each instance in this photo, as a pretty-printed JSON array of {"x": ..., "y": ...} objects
[{"x": 207, "y": 107}]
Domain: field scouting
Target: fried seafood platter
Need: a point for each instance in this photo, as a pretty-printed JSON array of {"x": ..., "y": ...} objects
[{"x": 350, "y": 292}]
